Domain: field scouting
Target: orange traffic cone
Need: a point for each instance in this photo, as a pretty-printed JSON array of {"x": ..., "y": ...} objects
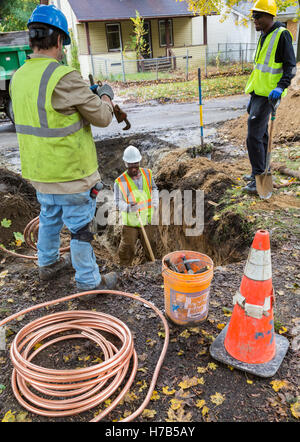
[{"x": 249, "y": 342}]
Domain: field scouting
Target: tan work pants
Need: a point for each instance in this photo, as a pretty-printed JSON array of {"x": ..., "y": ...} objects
[{"x": 129, "y": 237}]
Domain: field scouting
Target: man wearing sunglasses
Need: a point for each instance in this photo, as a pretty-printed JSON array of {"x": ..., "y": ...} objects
[{"x": 274, "y": 68}]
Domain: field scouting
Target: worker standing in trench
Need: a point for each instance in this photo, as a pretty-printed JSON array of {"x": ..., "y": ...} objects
[
  {"x": 275, "y": 66},
  {"x": 135, "y": 191},
  {"x": 53, "y": 110}
]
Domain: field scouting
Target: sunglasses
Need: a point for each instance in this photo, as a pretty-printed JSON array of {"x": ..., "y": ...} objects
[{"x": 257, "y": 15}]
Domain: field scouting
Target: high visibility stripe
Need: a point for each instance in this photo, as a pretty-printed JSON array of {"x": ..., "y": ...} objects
[
  {"x": 47, "y": 132},
  {"x": 123, "y": 190},
  {"x": 129, "y": 188},
  {"x": 42, "y": 93},
  {"x": 258, "y": 266},
  {"x": 148, "y": 178},
  {"x": 265, "y": 68}
]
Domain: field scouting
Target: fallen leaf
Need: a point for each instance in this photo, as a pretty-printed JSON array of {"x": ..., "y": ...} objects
[
  {"x": 221, "y": 326},
  {"x": 190, "y": 382},
  {"x": 179, "y": 416},
  {"x": 212, "y": 366},
  {"x": 155, "y": 396},
  {"x": 185, "y": 334},
  {"x": 147, "y": 413},
  {"x": 9, "y": 417},
  {"x": 200, "y": 403},
  {"x": 295, "y": 410},
  {"x": 217, "y": 398},
  {"x": 277, "y": 384},
  {"x": 168, "y": 392},
  {"x": 176, "y": 404},
  {"x": 205, "y": 410}
]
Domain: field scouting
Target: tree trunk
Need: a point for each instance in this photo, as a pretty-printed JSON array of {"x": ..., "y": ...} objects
[{"x": 285, "y": 171}]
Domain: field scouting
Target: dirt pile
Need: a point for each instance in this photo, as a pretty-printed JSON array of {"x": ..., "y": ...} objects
[
  {"x": 18, "y": 205},
  {"x": 287, "y": 123}
]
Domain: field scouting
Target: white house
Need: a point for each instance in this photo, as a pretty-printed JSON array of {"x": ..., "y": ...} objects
[{"x": 237, "y": 32}]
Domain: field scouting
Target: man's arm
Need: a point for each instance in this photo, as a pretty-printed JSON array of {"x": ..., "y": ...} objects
[
  {"x": 285, "y": 54},
  {"x": 72, "y": 94},
  {"x": 119, "y": 200}
]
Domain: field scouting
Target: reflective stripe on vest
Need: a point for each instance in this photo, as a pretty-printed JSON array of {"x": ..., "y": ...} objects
[
  {"x": 265, "y": 66},
  {"x": 45, "y": 130}
]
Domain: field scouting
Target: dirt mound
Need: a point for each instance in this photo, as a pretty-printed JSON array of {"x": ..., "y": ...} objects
[
  {"x": 287, "y": 123},
  {"x": 18, "y": 205},
  {"x": 178, "y": 171}
]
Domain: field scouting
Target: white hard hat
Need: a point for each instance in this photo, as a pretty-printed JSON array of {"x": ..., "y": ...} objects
[{"x": 132, "y": 155}]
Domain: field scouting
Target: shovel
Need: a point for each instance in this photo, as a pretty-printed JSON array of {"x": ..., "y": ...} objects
[
  {"x": 146, "y": 238},
  {"x": 264, "y": 181}
]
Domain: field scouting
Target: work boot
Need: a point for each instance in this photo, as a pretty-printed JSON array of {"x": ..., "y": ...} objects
[
  {"x": 248, "y": 177},
  {"x": 250, "y": 188},
  {"x": 108, "y": 281},
  {"x": 46, "y": 273}
]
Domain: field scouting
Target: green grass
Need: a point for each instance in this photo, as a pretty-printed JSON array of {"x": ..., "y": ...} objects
[
  {"x": 187, "y": 90},
  {"x": 140, "y": 76}
]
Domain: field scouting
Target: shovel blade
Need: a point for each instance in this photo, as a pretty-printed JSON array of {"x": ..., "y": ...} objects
[{"x": 264, "y": 185}]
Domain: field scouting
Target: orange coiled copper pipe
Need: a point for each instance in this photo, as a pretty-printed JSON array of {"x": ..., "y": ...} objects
[
  {"x": 84, "y": 388},
  {"x": 30, "y": 237}
]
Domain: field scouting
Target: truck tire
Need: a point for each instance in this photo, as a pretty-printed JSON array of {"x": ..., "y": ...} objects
[{"x": 9, "y": 111}]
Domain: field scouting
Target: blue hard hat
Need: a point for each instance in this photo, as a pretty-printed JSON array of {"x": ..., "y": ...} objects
[{"x": 51, "y": 15}]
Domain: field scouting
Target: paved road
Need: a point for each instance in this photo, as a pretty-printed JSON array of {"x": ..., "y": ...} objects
[
  {"x": 163, "y": 117},
  {"x": 156, "y": 117}
]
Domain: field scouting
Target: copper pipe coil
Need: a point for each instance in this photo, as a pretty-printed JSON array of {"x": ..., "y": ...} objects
[
  {"x": 31, "y": 236},
  {"x": 81, "y": 389}
]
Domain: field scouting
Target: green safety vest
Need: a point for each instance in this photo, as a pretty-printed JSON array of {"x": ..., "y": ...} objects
[
  {"x": 266, "y": 72},
  {"x": 53, "y": 147},
  {"x": 132, "y": 194}
]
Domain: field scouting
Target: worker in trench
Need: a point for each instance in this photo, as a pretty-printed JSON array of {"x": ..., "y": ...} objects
[
  {"x": 274, "y": 68},
  {"x": 135, "y": 192},
  {"x": 53, "y": 110}
]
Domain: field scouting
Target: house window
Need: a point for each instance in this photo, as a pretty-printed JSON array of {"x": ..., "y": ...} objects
[
  {"x": 165, "y": 26},
  {"x": 113, "y": 35}
]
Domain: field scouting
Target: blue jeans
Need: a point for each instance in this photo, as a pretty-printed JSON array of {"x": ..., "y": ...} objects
[{"x": 74, "y": 211}]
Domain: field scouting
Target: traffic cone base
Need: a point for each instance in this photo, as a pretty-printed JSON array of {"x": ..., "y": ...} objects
[{"x": 265, "y": 370}]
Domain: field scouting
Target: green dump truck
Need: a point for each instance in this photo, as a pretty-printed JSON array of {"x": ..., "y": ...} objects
[{"x": 14, "y": 49}]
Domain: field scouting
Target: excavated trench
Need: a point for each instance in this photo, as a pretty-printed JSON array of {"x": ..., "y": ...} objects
[{"x": 190, "y": 189}]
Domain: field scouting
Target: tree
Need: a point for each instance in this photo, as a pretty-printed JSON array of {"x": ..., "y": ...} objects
[
  {"x": 138, "y": 42},
  {"x": 14, "y": 15},
  {"x": 207, "y": 7}
]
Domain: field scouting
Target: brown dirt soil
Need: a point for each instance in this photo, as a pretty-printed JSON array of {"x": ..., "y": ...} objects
[
  {"x": 287, "y": 123},
  {"x": 244, "y": 397}
]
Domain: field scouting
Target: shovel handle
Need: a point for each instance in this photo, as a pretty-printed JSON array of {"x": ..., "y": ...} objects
[{"x": 146, "y": 238}]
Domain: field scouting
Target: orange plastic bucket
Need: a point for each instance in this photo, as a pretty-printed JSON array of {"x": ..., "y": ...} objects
[{"x": 187, "y": 295}]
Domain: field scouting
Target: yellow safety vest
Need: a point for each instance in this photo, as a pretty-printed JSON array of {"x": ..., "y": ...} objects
[
  {"x": 53, "y": 147},
  {"x": 142, "y": 198},
  {"x": 266, "y": 72}
]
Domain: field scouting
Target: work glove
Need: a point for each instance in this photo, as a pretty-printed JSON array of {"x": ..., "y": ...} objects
[
  {"x": 105, "y": 90},
  {"x": 275, "y": 93}
]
